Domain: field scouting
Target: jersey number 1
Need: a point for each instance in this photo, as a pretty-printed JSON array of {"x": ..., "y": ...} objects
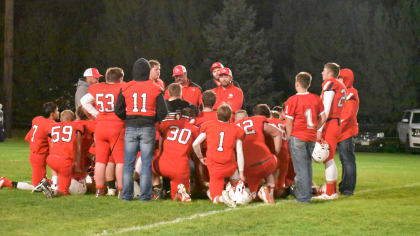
[{"x": 143, "y": 106}]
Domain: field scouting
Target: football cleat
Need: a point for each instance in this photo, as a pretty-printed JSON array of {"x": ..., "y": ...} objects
[
  {"x": 264, "y": 194},
  {"x": 100, "y": 192},
  {"x": 111, "y": 192},
  {"x": 320, "y": 190},
  {"x": 157, "y": 192},
  {"x": 46, "y": 188},
  {"x": 4, "y": 182},
  {"x": 119, "y": 194},
  {"x": 321, "y": 151},
  {"x": 227, "y": 200},
  {"x": 182, "y": 194},
  {"x": 325, "y": 196},
  {"x": 38, "y": 188}
]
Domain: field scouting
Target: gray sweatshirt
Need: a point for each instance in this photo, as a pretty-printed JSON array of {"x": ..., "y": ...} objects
[{"x": 82, "y": 89}]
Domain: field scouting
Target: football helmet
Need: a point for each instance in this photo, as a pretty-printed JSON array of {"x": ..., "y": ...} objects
[
  {"x": 242, "y": 194},
  {"x": 321, "y": 151}
]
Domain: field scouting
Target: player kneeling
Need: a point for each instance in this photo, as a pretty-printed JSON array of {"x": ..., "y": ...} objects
[
  {"x": 222, "y": 138},
  {"x": 175, "y": 148}
]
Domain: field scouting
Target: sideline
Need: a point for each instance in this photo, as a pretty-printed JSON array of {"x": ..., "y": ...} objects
[{"x": 209, "y": 213}]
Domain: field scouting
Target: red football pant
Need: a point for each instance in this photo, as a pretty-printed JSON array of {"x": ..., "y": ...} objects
[
  {"x": 109, "y": 137},
  {"x": 218, "y": 173},
  {"x": 255, "y": 173},
  {"x": 175, "y": 168},
  {"x": 331, "y": 134},
  {"x": 39, "y": 164},
  {"x": 64, "y": 168}
]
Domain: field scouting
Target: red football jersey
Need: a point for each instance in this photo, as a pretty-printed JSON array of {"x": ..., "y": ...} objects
[
  {"x": 221, "y": 141},
  {"x": 348, "y": 118},
  {"x": 178, "y": 136},
  {"x": 37, "y": 137},
  {"x": 87, "y": 139},
  {"x": 105, "y": 99},
  {"x": 190, "y": 94},
  {"x": 254, "y": 146},
  {"x": 281, "y": 124},
  {"x": 339, "y": 99},
  {"x": 63, "y": 138},
  {"x": 205, "y": 116},
  {"x": 140, "y": 97},
  {"x": 304, "y": 109},
  {"x": 231, "y": 95}
]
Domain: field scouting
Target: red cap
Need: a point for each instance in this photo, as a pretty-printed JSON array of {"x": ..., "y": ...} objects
[
  {"x": 92, "y": 72},
  {"x": 216, "y": 65},
  {"x": 225, "y": 71},
  {"x": 178, "y": 70}
]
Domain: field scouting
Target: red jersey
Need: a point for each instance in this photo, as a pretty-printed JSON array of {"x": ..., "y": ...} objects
[
  {"x": 339, "y": 99},
  {"x": 205, "y": 116},
  {"x": 281, "y": 124},
  {"x": 105, "y": 96},
  {"x": 254, "y": 146},
  {"x": 304, "y": 109},
  {"x": 221, "y": 141},
  {"x": 160, "y": 83},
  {"x": 63, "y": 138},
  {"x": 190, "y": 93},
  {"x": 231, "y": 95},
  {"x": 348, "y": 117},
  {"x": 87, "y": 138},
  {"x": 37, "y": 137},
  {"x": 178, "y": 136},
  {"x": 140, "y": 97}
]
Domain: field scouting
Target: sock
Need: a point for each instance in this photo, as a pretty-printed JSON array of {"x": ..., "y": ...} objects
[
  {"x": 54, "y": 180},
  {"x": 111, "y": 184},
  {"x": 331, "y": 188},
  {"x": 99, "y": 187},
  {"x": 24, "y": 186}
]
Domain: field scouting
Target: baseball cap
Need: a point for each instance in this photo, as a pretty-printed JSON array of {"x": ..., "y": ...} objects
[
  {"x": 225, "y": 71},
  {"x": 92, "y": 72},
  {"x": 216, "y": 65},
  {"x": 178, "y": 70}
]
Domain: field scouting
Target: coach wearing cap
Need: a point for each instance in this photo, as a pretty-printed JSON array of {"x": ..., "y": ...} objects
[
  {"x": 91, "y": 76},
  {"x": 215, "y": 82},
  {"x": 227, "y": 92},
  {"x": 191, "y": 92}
]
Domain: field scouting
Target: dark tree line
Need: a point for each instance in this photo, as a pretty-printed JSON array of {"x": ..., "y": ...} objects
[{"x": 266, "y": 43}]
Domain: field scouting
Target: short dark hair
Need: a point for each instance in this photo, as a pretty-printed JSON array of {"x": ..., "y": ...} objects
[
  {"x": 154, "y": 63},
  {"x": 262, "y": 110},
  {"x": 209, "y": 98},
  {"x": 48, "y": 108},
  {"x": 333, "y": 67},
  {"x": 275, "y": 114},
  {"x": 114, "y": 74},
  {"x": 188, "y": 112},
  {"x": 224, "y": 112},
  {"x": 81, "y": 114},
  {"x": 304, "y": 79}
]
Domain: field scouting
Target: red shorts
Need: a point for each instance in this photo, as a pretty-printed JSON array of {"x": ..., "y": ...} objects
[
  {"x": 38, "y": 163},
  {"x": 109, "y": 140},
  {"x": 174, "y": 167},
  {"x": 331, "y": 134},
  {"x": 64, "y": 167},
  {"x": 218, "y": 173},
  {"x": 258, "y": 171}
]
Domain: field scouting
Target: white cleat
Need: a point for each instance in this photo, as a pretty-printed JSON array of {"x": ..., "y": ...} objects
[
  {"x": 182, "y": 194},
  {"x": 325, "y": 196},
  {"x": 264, "y": 194}
]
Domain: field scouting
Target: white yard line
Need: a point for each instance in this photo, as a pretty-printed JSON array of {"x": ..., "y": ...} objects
[{"x": 209, "y": 213}]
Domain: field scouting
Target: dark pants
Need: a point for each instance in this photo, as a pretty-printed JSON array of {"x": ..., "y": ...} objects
[
  {"x": 348, "y": 162},
  {"x": 1, "y": 133}
]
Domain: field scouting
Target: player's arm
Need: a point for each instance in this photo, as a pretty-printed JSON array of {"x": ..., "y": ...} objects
[
  {"x": 237, "y": 103},
  {"x": 161, "y": 108},
  {"x": 350, "y": 107},
  {"x": 120, "y": 106},
  {"x": 240, "y": 159},
  {"x": 197, "y": 147},
  {"x": 78, "y": 154},
  {"x": 289, "y": 127},
  {"x": 322, "y": 118},
  {"x": 327, "y": 102},
  {"x": 274, "y": 132},
  {"x": 87, "y": 102},
  {"x": 29, "y": 135}
]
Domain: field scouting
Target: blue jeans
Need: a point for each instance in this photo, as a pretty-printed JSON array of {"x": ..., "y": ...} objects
[
  {"x": 348, "y": 163},
  {"x": 301, "y": 153},
  {"x": 138, "y": 139}
]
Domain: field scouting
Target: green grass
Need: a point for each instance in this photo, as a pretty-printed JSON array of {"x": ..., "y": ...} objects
[{"x": 386, "y": 202}]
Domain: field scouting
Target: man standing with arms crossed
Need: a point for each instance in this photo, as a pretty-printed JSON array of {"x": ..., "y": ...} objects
[
  {"x": 140, "y": 103},
  {"x": 91, "y": 76}
]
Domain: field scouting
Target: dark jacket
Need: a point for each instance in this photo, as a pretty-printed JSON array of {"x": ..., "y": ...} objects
[
  {"x": 176, "y": 106},
  {"x": 141, "y": 72}
]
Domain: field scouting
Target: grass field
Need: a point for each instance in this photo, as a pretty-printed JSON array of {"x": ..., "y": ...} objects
[{"x": 386, "y": 202}]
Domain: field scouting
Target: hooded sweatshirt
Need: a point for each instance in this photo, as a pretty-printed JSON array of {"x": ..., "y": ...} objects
[
  {"x": 81, "y": 90},
  {"x": 348, "y": 117},
  {"x": 140, "y": 101}
]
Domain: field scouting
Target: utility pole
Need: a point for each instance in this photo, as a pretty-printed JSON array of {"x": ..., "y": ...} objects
[{"x": 8, "y": 66}]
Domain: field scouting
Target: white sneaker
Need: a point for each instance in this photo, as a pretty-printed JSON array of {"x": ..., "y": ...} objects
[
  {"x": 325, "y": 196},
  {"x": 182, "y": 194},
  {"x": 227, "y": 200}
]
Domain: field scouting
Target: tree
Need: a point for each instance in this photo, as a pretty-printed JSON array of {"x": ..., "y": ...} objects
[{"x": 233, "y": 40}]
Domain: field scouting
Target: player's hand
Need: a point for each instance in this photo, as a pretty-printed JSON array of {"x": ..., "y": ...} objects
[
  {"x": 318, "y": 136},
  {"x": 241, "y": 176},
  {"x": 203, "y": 161}
]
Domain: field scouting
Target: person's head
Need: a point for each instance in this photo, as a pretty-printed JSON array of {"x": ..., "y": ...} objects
[
  {"x": 209, "y": 98},
  {"x": 240, "y": 114},
  {"x": 180, "y": 75},
  {"x": 114, "y": 75},
  {"x": 214, "y": 70},
  {"x": 188, "y": 113},
  {"x": 279, "y": 112},
  {"x": 66, "y": 116},
  {"x": 331, "y": 70},
  {"x": 275, "y": 114},
  {"x": 224, "y": 112},
  {"x": 92, "y": 75},
  {"x": 50, "y": 110},
  {"x": 347, "y": 76},
  {"x": 141, "y": 70},
  {"x": 154, "y": 69},
  {"x": 175, "y": 90},
  {"x": 303, "y": 81},
  {"x": 225, "y": 77},
  {"x": 262, "y": 110},
  {"x": 81, "y": 114}
]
